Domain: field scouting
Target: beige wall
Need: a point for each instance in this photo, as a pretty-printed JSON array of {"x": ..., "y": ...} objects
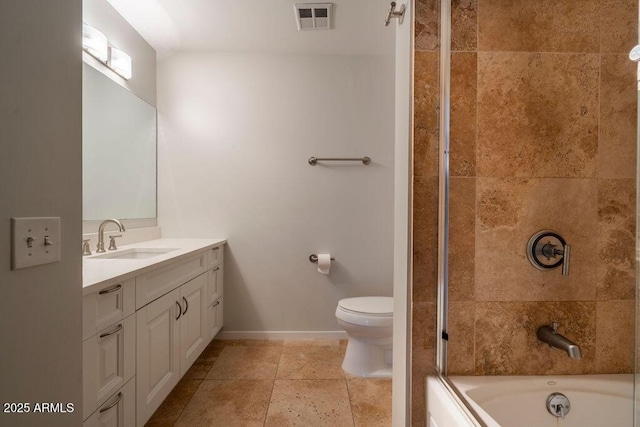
[
  {"x": 252, "y": 135},
  {"x": 41, "y": 175}
]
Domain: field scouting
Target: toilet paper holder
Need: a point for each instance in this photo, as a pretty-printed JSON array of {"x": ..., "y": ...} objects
[{"x": 314, "y": 258}]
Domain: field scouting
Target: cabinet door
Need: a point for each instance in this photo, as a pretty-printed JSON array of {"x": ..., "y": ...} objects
[
  {"x": 214, "y": 319},
  {"x": 193, "y": 323},
  {"x": 158, "y": 357}
]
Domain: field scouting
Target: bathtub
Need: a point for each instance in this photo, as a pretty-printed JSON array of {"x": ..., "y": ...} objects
[{"x": 520, "y": 401}]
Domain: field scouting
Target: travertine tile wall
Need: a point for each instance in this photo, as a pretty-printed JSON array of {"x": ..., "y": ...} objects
[
  {"x": 543, "y": 135},
  {"x": 425, "y": 211}
]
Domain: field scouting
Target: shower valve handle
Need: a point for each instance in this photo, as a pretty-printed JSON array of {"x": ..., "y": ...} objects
[
  {"x": 547, "y": 250},
  {"x": 566, "y": 260}
]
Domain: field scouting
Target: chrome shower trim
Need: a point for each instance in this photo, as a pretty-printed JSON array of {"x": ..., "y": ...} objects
[
  {"x": 443, "y": 185},
  {"x": 460, "y": 399}
]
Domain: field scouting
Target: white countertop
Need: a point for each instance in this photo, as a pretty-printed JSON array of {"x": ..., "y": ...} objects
[{"x": 97, "y": 271}]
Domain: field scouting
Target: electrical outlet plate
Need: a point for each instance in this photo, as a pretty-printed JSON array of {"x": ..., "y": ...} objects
[{"x": 34, "y": 241}]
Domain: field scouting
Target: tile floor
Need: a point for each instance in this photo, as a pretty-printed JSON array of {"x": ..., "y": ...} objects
[{"x": 275, "y": 383}]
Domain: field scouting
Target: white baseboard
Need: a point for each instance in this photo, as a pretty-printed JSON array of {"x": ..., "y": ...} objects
[{"x": 281, "y": 335}]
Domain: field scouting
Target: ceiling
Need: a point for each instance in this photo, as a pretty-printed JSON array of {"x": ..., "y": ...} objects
[{"x": 261, "y": 26}]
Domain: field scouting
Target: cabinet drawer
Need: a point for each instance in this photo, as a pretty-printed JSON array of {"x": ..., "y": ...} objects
[
  {"x": 107, "y": 305},
  {"x": 215, "y": 284},
  {"x": 108, "y": 362},
  {"x": 156, "y": 283},
  {"x": 118, "y": 410},
  {"x": 215, "y": 256},
  {"x": 214, "y": 318}
]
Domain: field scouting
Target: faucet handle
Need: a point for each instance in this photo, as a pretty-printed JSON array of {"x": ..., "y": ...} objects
[
  {"x": 112, "y": 242},
  {"x": 86, "y": 250}
]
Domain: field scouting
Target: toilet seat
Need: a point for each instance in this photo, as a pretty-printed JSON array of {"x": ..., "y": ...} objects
[
  {"x": 368, "y": 305},
  {"x": 366, "y": 311}
]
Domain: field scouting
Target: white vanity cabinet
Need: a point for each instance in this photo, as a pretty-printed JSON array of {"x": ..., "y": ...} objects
[
  {"x": 171, "y": 335},
  {"x": 141, "y": 335},
  {"x": 173, "y": 329}
]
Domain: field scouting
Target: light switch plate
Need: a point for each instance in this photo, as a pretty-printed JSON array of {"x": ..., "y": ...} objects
[{"x": 34, "y": 241}]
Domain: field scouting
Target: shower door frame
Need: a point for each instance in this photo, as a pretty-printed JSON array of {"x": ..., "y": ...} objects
[
  {"x": 443, "y": 214},
  {"x": 403, "y": 190},
  {"x": 443, "y": 224},
  {"x": 636, "y": 364}
]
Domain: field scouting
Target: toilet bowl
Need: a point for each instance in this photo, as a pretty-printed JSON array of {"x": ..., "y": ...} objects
[{"x": 368, "y": 322}]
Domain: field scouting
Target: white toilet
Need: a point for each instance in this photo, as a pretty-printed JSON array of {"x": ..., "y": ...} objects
[{"x": 368, "y": 322}]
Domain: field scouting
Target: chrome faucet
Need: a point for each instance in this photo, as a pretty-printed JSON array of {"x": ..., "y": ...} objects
[
  {"x": 101, "y": 232},
  {"x": 551, "y": 336}
]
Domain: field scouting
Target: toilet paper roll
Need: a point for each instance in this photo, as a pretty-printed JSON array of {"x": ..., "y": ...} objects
[{"x": 324, "y": 263}]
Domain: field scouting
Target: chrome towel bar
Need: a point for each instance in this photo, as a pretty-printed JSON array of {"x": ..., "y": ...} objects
[
  {"x": 364, "y": 160},
  {"x": 314, "y": 258}
]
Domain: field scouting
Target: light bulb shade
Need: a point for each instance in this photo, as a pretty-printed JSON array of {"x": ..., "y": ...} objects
[
  {"x": 95, "y": 43},
  {"x": 120, "y": 62}
]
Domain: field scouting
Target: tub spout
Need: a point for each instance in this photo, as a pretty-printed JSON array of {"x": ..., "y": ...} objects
[{"x": 551, "y": 336}]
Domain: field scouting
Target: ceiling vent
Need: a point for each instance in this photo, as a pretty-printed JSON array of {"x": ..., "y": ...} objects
[{"x": 313, "y": 16}]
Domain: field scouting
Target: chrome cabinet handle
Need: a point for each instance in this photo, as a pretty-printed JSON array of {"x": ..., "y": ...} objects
[
  {"x": 216, "y": 269},
  {"x": 116, "y": 330},
  {"x": 215, "y": 303},
  {"x": 179, "y": 310},
  {"x": 113, "y": 404},
  {"x": 186, "y": 303},
  {"x": 109, "y": 290}
]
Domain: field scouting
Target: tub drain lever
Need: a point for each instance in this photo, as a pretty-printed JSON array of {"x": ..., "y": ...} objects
[{"x": 558, "y": 405}]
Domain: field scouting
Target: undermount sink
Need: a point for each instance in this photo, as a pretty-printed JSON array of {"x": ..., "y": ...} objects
[{"x": 135, "y": 253}]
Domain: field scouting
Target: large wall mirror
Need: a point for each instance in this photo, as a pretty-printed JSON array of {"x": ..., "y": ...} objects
[{"x": 118, "y": 151}]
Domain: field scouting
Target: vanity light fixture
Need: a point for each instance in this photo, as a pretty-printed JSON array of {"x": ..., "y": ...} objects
[
  {"x": 120, "y": 62},
  {"x": 95, "y": 43}
]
